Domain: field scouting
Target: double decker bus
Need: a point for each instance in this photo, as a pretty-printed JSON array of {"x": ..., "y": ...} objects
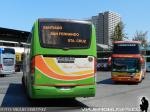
[
  {"x": 59, "y": 59},
  {"x": 7, "y": 61},
  {"x": 127, "y": 62}
]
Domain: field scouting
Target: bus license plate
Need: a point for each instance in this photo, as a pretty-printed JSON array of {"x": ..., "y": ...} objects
[{"x": 65, "y": 59}]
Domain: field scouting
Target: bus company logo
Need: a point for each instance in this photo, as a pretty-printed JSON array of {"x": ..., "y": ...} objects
[{"x": 144, "y": 105}]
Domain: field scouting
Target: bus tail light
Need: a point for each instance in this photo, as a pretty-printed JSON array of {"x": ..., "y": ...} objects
[
  {"x": 33, "y": 66},
  {"x": 109, "y": 61},
  {"x": 95, "y": 63},
  {"x": 91, "y": 59},
  {"x": 141, "y": 60},
  {"x": 1, "y": 67}
]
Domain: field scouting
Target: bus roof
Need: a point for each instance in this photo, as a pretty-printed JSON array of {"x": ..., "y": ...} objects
[
  {"x": 121, "y": 42},
  {"x": 63, "y": 20},
  {"x": 17, "y": 49}
]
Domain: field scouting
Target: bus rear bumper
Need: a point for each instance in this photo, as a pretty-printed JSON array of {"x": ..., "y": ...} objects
[
  {"x": 6, "y": 72},
  {"x": 38, "y": 92},
  {"x": 126, "y": 79}
]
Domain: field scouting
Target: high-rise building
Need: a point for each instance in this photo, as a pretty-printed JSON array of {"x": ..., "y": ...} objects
[{"x": 105, "y": 24}]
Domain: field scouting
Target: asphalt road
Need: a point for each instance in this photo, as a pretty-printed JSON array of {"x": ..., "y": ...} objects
[{"x": 108, "y": 95}]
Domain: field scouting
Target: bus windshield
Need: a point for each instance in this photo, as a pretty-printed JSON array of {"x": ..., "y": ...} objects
[
  {"x": 126, "y": 48},
  {"x": 125, "y": 65},
  {"x": 64, "y": 35},
  {"x": 8, "y": 50}
]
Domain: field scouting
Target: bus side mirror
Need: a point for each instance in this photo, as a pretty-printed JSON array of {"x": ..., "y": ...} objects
[{"x": 109, "y": 61}]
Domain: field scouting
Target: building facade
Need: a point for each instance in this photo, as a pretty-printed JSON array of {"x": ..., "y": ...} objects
[{"x": 105, "y": 24}]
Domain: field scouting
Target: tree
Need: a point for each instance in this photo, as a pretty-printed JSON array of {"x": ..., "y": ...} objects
[
  {"x": 141, "y": 36},
  {"x": 118, "y": 33}
]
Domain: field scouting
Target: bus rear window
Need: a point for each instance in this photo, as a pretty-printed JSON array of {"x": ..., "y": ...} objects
[
  {"x": 126, "y": 48},
  {"x": 8, "y": 50},
  {"x": 64, "y": 35},
  {"x": 8, "y": 61}
]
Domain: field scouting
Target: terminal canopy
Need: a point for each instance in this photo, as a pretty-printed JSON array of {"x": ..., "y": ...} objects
[{"x": 13, "y": 35}]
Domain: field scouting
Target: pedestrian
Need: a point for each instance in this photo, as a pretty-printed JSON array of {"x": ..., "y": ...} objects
[{"x": 144, "y": 106}]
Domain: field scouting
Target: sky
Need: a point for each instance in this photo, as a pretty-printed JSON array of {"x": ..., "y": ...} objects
[{"x": 21, "y": 14}]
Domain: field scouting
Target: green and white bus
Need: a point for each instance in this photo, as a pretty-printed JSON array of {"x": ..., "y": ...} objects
[{"x": 60, "y": 59}]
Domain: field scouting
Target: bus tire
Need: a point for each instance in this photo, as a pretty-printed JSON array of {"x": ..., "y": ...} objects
[
  {"x": 31, "y": 100},
  {"x": 73, "y": 98},
  {"x": 115, "y": 82},
  {"x": 2, "y": 75},
  {"x": 23, "y": 82},
  {"x": 143, "y": 77}
]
